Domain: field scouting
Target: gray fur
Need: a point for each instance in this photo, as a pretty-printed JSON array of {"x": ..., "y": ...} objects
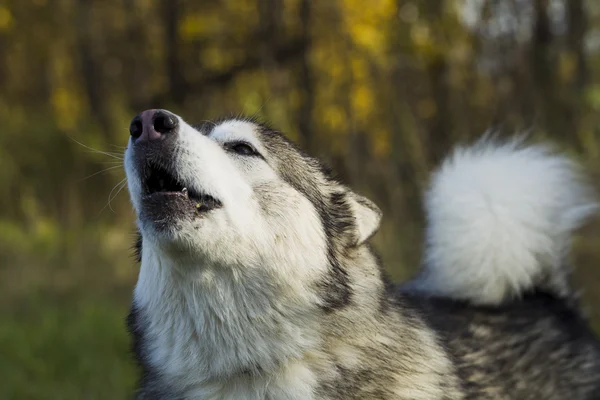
[{"x": 375, "y": 340}]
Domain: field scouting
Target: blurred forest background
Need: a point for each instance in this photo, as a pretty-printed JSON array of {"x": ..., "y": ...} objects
[{"x": 380, "y": 89}]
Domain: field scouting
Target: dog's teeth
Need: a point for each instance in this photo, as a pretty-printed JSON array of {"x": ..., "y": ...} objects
[{"x": 184, "y": 191}]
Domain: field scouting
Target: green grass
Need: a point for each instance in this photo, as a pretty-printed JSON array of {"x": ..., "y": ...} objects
[{"x": 74, "y": 351}]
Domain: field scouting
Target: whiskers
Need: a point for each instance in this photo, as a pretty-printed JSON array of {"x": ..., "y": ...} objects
[
  {"x": 116, "y": 162},
  {"x": 103, "y": 171},
  {"x": 116, "y": 156},
  {"x": 118, "y": 187}
]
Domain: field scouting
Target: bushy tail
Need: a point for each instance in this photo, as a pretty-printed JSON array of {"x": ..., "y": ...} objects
[{"x": 500, "y": 219}]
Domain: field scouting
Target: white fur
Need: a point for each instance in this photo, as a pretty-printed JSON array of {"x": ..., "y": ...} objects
[
  {"x": 207, "y": 324},
  {"x": 500, "y": 219},
  {"x": 229, "y": 291}
]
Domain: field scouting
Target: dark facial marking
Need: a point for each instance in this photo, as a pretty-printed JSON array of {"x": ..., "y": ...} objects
[
  {"x": 137, "y": 246},
  {"x": 302, "y": 173}
]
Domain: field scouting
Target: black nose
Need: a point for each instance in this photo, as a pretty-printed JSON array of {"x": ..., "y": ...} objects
[
  {"x": 151, "y": 125},
  {"x": 164, "y": 122}
]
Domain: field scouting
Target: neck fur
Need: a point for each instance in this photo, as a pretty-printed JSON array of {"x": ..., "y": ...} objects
[{"x": 205, "y": 322}]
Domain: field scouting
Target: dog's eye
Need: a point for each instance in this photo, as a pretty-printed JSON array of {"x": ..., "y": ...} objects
[{"x": 241, "y": 148}]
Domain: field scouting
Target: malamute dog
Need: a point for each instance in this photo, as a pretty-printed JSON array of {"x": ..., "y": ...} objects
[{"x": 257, "y": 280}]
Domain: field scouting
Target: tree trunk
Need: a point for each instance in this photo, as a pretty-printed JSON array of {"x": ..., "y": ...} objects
[
  {"x": 306, "y": 81},
  {"x": 175, "y": 73},
  {"x": 577, "y": 27},
  {"x": 92, "y": 78}
]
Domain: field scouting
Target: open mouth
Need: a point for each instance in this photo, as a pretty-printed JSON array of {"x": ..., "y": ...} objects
[{"x": 160, "y": 183}]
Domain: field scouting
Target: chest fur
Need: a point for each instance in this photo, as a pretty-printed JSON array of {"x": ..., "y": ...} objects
[
  {"x": 174, "y": 369},
  {"x": 221, "y": 345}
]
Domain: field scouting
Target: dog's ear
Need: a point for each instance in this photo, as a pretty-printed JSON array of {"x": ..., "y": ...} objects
[{"x": 367, "y": 216}]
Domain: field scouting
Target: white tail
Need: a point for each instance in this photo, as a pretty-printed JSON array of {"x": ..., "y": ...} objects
[{"x": 500, "y": 220}]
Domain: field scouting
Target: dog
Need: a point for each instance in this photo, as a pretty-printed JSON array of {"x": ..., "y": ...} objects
[{"x": 257, "y": 279}]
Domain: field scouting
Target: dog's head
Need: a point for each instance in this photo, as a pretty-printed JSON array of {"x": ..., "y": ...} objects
[{"x": 239, "y": 195}]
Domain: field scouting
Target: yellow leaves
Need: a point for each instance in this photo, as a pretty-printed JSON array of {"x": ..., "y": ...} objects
[
  {"x": 364, "y": 23},
  {"x": 46, "y": 230},
  {"x": 329, "y": 62},
  {"x": 359, "y": 69},
  {"x": 29, "y": 204},
  {"x": 215, "y": 58},
  {"x": 358, "y": 11},
  {"x": 6, "y": 19},
  {"x": 362, "y": 103},
  {"x": 209, "y": 21},
  {"x": 334, "y": 118},
  {"x": 380, "y": 142},
  {"x": 436, "y": 35},
  {"x": 424, "y": 42},
  {"x": 196, "y": 25},
  {"x": 567, "y": 65},
  {"x": 367, "y": 36},
  {"x": 65, "y": 105},
  {"x": 362, "y": 98},
  {"x": 421, "y": 35},
  {"x": 252, "y": 101},
  {"x": 66, "y": 96}
]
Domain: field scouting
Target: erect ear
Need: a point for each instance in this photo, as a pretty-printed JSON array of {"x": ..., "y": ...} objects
[{"x": 367, "y": 216}]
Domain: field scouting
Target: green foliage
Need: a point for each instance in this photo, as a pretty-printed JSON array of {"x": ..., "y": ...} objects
[{"x": 66, "y": 351}]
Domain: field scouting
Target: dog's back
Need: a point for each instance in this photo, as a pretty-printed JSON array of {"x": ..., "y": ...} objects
[{"x": 537, "y": 347}]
